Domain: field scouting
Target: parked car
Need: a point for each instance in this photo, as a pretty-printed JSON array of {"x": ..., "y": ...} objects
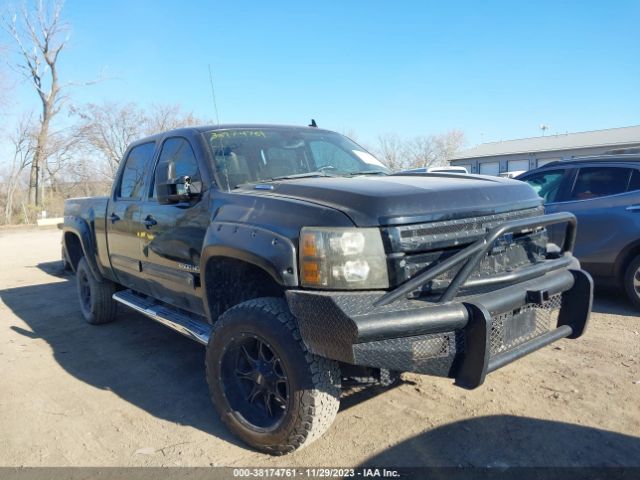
[
  {"x": 604, "y": 194},
  {"x": 298, "y": 260}
]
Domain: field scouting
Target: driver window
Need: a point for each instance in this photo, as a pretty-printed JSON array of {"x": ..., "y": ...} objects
[{"x": 178, "y": 154}]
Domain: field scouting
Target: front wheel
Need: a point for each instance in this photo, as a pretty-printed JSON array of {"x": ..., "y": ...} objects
[
  {"x": 632, "y": 281},
  {"x": 268, "y": 388}
]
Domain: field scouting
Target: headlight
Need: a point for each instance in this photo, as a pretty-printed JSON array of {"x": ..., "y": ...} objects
[{"x": 349, "y": 258}]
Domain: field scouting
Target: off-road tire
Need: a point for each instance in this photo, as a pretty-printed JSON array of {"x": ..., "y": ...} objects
[
  {"x": 631, "y": 281},
  {"x": 97, "y": 306},
  {"x": 314, "y": 382}
]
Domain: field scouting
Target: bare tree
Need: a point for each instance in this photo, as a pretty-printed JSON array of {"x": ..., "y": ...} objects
[
  {"x": 23, "y": 147},
  {"x": 63, "y": 151},
  {"x": 390, "y": 150},
  {"x": 420, "y": 152},
  {"x": 433, "y": 150},
  {"x": 40, "y": 35},
  {"x": 107, "y": 129},
  {"x": 167, "y": 117},
  {"x": 4, "y": 83},
  {"x": 448, "y": 144}
]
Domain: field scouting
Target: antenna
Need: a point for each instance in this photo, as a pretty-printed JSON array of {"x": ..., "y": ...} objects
[
  {"x": 213, "y": 96},
  {"x": 313, "y": 123},
  {"x": 544, "y": 128},
  {"x": 215, "y": 108}
]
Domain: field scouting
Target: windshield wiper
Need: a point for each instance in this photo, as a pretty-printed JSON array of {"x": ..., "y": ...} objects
[
  {"x": 371, "y": 172},
  {"x": 318, "y": 173},
  {"x": 287, "y": 177},
  {"x": 315, "y": 174}
]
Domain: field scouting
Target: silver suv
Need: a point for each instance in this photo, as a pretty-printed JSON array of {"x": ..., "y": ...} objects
[{"x": 604, "y": 194}]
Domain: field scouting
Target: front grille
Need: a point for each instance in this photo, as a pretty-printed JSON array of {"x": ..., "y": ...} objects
[
  {"x": 513, "y": 328},
  {"x": 430, "y": 236},
  {"x": 412, "y": 249}
]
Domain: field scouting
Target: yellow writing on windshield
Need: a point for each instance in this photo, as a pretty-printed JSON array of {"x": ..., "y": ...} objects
[{"x": 237, "y": 133}]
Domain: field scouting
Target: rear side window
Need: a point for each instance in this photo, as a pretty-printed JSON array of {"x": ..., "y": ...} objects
[
  {"x": 594, "y": 182},
  {"x": 135, "y": 168},
  {"x": 547, "y": 184}
]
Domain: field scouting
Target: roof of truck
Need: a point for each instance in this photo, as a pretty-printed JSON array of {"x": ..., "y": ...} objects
[{"x": 225, "y": 126}]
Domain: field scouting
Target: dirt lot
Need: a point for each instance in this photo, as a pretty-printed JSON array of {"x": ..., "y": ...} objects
[{"x": 133, "y": 393}]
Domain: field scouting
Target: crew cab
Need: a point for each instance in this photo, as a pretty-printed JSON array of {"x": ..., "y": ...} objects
[{"x": 299, "y": 261}]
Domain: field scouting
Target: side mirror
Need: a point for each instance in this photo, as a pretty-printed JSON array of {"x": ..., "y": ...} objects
[{"x": 174, "y": 190}]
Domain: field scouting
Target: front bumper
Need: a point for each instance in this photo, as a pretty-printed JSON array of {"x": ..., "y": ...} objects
[{"x": 461, "y": 336}]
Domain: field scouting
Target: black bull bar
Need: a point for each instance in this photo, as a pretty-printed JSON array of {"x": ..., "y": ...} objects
[{"x": 341, "y": 325}]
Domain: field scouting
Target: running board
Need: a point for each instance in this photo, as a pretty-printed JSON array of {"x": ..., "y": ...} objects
[{"x": 170, "y": 317}]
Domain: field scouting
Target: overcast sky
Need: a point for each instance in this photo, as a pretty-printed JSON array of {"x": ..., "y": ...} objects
[{"x": 496, "y": 70}]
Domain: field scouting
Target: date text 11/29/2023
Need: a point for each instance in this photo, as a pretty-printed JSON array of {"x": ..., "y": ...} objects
[{"x": 315, "y": 472}]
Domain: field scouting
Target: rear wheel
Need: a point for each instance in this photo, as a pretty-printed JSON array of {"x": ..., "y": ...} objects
[
  {"x": 96, "y": 303},
  {"x": 268, "y": 388},
  {"x": 632, "y": 281}
]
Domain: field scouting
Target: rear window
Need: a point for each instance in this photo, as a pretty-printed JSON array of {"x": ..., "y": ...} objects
[{"x": 594, "y": 182}]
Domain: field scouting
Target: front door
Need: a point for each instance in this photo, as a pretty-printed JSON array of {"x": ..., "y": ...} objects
[
  {"x": 600, "y": 199},
  {"x": 551, "y": 185},
  {"x": 172, "y": 235},
  {"x": 123, "y": 216}
]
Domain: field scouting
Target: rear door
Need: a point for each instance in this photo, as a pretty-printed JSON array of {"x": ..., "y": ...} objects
[
  {"x": 123, "y": 216},
  {"x": 172, "y": 235}
]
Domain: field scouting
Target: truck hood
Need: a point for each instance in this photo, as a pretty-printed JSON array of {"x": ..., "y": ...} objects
[{"x": 401, "y": 199}]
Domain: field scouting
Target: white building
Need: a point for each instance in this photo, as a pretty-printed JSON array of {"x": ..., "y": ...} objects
[{"x": 524, "y": 154}]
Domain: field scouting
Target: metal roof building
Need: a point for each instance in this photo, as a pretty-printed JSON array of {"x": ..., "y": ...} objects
[{"x": 524, "y": 154}]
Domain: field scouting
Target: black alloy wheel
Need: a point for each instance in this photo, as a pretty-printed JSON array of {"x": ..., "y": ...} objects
[{"x": 254, "y": 382}]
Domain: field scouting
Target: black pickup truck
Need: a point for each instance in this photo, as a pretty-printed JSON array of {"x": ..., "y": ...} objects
[{"x": 300, "y": 261}]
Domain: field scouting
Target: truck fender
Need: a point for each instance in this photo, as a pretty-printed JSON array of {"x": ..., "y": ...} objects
[
  {"x": 80, "y": 228},
  {"x": 270, "y": 251}
]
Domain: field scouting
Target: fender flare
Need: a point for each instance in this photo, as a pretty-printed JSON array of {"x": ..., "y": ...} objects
[
  {"x": 80, "y": 228},
  {"x": 273, "y": 253}
]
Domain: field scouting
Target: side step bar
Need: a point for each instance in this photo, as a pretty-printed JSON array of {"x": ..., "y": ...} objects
[{"x": 172, "y": 318}]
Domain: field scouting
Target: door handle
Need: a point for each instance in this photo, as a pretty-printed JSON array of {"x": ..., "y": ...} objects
[
  {"x": 113, "y": 217},
  {"x": 150, "y": 221},
  {"x": 633, "y": 208}
]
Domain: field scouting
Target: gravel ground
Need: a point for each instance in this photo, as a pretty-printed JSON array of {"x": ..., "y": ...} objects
[{"x": 133, "y": 393}]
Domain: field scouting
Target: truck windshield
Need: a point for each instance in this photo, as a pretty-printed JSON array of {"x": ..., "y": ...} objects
[{"x": 247, "y": 155}]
